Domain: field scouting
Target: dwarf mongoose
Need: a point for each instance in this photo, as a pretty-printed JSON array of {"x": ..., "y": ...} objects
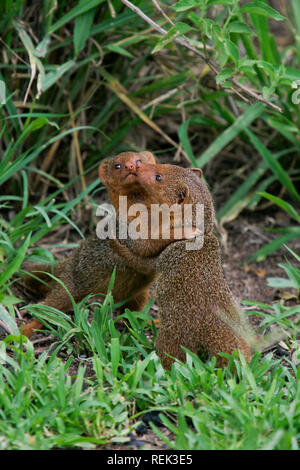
[
  {"x": 196, "y": 307},
  {"x": 89, "y": 268}
]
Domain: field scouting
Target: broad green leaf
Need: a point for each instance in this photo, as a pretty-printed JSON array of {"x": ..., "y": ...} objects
[
  {"x": 239, "y": 27},
  {"x": 232, "y": 50},
  {"x": 112, "y": 280},
  {"x": 222, "y": 53},
  {"x": 272, "y": 440},
  {"x": 51, "y": 315},
  {"x": 266, "y": 66},
  {"x": 177, "y": 30},
  {"x": 35, "y": 62},
  {"x": 267, "y": 49},
  {"x": 282, "y": 123},
  {"x": 224, "y": 75},
  {"x": 292, "y": 74},
  {"x": 39, "y": 123},
  {"x": 98, "y": 342},
  {"x": 293, "y": 273},
  {"x": 184, "y": 5},
  {"x": 221, "y": 2},
  {"x": 233, "y": 209},
  {"x": 262, "y": 8}
]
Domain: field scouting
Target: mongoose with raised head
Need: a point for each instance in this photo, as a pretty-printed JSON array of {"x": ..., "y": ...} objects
[
  {"x": 196, "y": 307},
  {"x": 89, "y": 268},
  {"x": 119, "y": 175}
]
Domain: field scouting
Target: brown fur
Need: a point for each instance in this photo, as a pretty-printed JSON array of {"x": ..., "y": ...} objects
[
  {"x": 90, "y": 266},
  {"x": 122, "y": 181},
  {"x": 196, "y": 307}
]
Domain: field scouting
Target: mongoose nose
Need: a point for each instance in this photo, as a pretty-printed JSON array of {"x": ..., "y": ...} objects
[{"x": 129, "y": 166}]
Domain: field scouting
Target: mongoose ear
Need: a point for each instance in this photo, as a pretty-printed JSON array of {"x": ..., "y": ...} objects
[
  {"x": 198, "y": 171},
  {"x": 150, "y": 158},
  {"x": 183, "y": 195},
  {"x": 103, "y": 171}
]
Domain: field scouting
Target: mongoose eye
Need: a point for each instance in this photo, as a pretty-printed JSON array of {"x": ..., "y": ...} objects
[
  {"x": 117, "y": 166},
  {"x": 158, "y": 178}
]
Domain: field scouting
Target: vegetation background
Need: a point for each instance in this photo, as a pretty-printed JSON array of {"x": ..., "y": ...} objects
[{"x": 214, "y": 84}]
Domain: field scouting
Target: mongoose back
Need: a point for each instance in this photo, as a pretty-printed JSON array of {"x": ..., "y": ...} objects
[
  {"x": 89, "y": 268},
  {"x": 196, "y": 306}
]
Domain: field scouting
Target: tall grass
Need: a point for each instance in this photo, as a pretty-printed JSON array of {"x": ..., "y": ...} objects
[{"x": 81, "y": 81}]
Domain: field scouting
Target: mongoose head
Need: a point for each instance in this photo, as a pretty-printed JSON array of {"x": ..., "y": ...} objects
[
  {"x": 172, "y": 184},
  {"x": 120, "y": 172}
]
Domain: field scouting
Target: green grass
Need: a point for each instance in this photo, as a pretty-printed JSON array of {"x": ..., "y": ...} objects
[
  {"x": 46, "y": 404},
  {"x": 101, "y": 377}
]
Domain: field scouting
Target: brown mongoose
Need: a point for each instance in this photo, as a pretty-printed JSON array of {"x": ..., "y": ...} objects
[
  {"x": 196, "y": 306},
  {"x": 119, "y": 175},
  {"x": 89, "y": 268}
]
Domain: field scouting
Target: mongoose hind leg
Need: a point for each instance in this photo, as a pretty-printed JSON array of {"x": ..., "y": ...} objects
[
  {"x": 224, "y": 338},
  {"x": 168, "y": 343},
  {"x": 137, "y": 303},
  {"x": 213, "y": 336},
  {"x": 28, "y": 329}
]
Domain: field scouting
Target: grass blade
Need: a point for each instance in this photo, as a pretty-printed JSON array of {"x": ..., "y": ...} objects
[
  {"x": 283, "y": 204},
  {"x": 274, "y": 165},
  {"x": 229, "y": 134},
  {"x": 16, "y": 262},
  {"x": 83, "y": 7},
  {"x": 260, "y": 255}
]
